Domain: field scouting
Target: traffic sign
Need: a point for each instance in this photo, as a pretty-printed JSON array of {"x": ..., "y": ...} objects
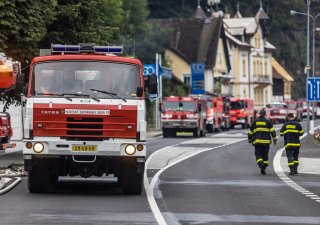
[
  {"x": 313, "y": 89},
  {"x": 197, "y": 78},
  {"x": 149, "y": 69},
  {"x": 165, "y": 72}
]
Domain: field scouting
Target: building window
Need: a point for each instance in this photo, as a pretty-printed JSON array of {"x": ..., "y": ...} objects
[
  {"x": 257, "y": 41},
  {"x": 254, "y": 68},
  {"x": 267, "y": 97},
  {"x": 261, "y": 69},
  {"x": 265, "y": 69},
  {"x": 186, "y": 79},
  {"x": 244, "y": 67}
]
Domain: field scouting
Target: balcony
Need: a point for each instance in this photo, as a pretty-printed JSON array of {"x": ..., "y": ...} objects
[{"x": 261, "y": 80}]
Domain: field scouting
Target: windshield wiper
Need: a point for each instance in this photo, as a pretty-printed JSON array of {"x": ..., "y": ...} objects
[
  {"x": 54, "y": 94},
  {"x": 80, "y": 95},
  {"x": 110, "y": 94}
]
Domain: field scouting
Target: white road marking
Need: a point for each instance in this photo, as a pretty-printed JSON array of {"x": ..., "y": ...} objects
[
  {"x": 149, "y": 187},
  {"x": 279, "y": 171},
  {"x": 202, "y": 218}
]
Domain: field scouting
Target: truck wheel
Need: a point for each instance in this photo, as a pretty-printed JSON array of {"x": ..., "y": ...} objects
[
  {"x": 203, "y": 132},
  {"x": 209, "y": 128},
  {"x": 165, "y": 133},
  {"x": 131, "y": 180},
  {"x": 39, "y": 178},
  {"x": 196, "y": 132}
]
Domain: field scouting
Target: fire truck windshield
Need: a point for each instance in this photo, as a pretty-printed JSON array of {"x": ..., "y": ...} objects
[
  {"x": 278, "y": 106},
  {"x": 179, "y": 106},
  {"x": 236, "y": 105},
  {"x": 81, "y": 77},
  {"x": 292, "y": 106}
]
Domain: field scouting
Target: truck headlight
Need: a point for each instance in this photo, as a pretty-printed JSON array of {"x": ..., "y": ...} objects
[
  {"x": 38, "y": 147},
  {"x": 130, "y": 149}
]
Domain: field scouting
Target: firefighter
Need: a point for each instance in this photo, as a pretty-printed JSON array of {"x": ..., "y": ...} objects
[
  {"x": 260, "y": 134},
  {"x": 291, "y": 131}
]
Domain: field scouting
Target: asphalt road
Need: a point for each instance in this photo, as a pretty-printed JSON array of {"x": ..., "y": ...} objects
[{"x": 219, "y": 185}]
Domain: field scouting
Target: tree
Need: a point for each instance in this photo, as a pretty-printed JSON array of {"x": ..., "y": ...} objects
[
  {"x": 85, "y": 21},
  {"x": 23, "y": 24}
]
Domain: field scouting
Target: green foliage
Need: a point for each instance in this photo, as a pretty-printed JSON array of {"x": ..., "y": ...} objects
[
  {"x": 85, "y": 21},
  {"x": 23, "y": 24}
]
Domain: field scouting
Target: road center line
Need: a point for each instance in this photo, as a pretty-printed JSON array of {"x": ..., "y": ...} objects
[{"x": 149, "y": 187}]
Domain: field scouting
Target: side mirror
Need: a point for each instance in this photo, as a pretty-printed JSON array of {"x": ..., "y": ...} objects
[
  {"x": 160, "y": 107},
  {"x": 139, "y": 91},
  {"x": 20, "y": 84},
  {"x": 152, "y": 84},
  {"x": 199, "y": 108}
]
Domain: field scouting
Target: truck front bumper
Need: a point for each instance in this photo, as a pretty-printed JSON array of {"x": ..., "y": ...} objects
[
  {"x": 184, "y": 124},
  {"x": 57, "y": 146}
]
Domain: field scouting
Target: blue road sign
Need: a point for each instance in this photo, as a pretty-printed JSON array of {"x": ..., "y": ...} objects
[
  {"x": 197, "y": 78},
  {"x": 165, "y": 72},
  {"x": 313, "y": 89},
  {"x": 149, "y": 69}
]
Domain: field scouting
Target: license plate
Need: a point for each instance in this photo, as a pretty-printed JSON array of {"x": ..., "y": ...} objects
[{"x": 84, "y": 148}]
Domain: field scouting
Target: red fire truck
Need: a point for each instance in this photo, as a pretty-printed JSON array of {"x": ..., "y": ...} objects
[
  {"x": 241, "y": 112},
  {"x": 84, "y": 115},
  {"x": 5, "y": 132},
  {"x": 215, "y": 120},
  {"x": 294, "y": 108},
  {"x": 9, "y": 70},
  {"x": 183, "y": 114},
  {"x": 277, "y": 111}
]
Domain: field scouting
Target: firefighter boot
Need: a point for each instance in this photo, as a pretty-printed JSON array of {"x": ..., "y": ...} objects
[
  {"x": 295, "y": 169},
  {"x": 263, "y": 170},
  {"x": 291, "y": 171}
]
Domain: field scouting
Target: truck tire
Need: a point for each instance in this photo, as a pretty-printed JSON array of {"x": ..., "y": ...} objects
[
  {"x": 196, "y": 132},
  {"x": 39, "y": 178},
  {"x": 210, "y": 128},
  {"x": 165, "y": 133},
  {"x": 131, "y": 180}
]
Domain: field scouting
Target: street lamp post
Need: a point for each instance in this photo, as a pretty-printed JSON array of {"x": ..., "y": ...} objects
[{"x": 308, "y": 54}]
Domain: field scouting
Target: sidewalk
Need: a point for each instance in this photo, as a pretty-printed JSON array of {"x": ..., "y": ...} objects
[
  {"x": 154, "y": 133},
  {"x": 309, "y": 157}
]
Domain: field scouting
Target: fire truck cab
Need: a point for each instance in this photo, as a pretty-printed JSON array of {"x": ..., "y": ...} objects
[
  {"x": 215, "y": 120},
  {"x": 277, "y": 111},
  {"x": 5, "y": 132},
  {"x": 241, "y": 112},
  {"x": 9, "y": 70},
  {"x": 294, "y": 108},
  {"x": 84, "y": 115},
  {"x": 183, "y": 114}
]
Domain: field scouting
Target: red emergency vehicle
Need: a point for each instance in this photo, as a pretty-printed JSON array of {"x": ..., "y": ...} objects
[
  {"x": 277, "y": 111},
  {"x": 5, "y": 131},
  {"x": 241, "y": 112},
  {"x": 215, "y": 119},
  {"x": 183, "y": 114},
  {"x": 9, "y": 70},
  {"x": 294, "y": 108},
  {"x": 84, "y": 115}
]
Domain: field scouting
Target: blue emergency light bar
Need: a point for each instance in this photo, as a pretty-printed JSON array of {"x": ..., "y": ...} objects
[{"x": 86, "y": 48}]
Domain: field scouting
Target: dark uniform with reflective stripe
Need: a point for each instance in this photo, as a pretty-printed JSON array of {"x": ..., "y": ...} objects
[
  {"x": 260, "y": 134},
  {"x": 291, "y": 131}
]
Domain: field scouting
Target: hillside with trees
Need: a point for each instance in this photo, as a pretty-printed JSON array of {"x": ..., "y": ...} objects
[
  {"x": 287, "y": 32},
  {"x": 27, "y": 26}
]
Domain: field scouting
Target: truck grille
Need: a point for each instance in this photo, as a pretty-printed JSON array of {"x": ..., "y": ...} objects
[{"x": 83, "y": 126}]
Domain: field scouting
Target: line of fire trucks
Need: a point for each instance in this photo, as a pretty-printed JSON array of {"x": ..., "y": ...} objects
[{"x": 201, "y": 114}]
